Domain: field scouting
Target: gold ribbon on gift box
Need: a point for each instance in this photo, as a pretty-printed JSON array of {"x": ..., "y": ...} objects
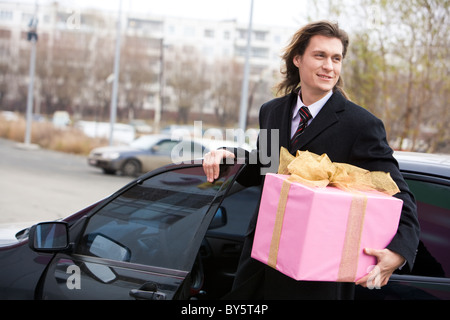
[{"x": 319, "y": 171}]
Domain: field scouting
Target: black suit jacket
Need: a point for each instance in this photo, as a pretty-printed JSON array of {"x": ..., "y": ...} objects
[{"x": 347, "y": 133}]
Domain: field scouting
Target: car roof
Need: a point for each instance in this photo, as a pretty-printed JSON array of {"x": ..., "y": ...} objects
[
  {"x": 211, "y": 144},
  {"x": 429, "y": 163},
  {"x": 214, "y": 144}
]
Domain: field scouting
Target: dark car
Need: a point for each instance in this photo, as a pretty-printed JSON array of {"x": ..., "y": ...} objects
[{"x": 170, "y": 234}]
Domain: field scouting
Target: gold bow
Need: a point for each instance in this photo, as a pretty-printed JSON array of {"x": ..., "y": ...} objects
[{"x": 319, "y": 171}]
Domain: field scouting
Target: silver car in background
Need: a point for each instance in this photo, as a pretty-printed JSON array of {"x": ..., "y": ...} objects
[{"x": 149, "y": 152}]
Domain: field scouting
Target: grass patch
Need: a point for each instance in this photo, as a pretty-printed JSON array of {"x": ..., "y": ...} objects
[{"x": 44, "y": 134}]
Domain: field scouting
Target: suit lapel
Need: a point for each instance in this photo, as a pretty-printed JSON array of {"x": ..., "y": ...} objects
[
  {"x": 286, "y": 118},
  {"x": 326, "y": 118}
]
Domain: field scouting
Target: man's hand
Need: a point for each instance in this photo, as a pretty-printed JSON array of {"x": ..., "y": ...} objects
[
  {"x": 388, "y": 262},
  {"x": 212, "y": 161}
]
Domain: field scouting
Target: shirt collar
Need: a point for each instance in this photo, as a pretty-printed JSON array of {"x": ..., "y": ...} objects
[{"x": 314, "y": 108}]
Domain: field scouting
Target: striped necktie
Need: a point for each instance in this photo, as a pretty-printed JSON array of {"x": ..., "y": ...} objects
[{"x": 305, "y": 116}]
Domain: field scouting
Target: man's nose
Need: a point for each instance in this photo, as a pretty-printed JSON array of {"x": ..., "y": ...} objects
[{"x": 328, "y": 64}]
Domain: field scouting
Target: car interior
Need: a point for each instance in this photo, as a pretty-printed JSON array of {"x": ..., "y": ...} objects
[{"x": 218, "y": 257}]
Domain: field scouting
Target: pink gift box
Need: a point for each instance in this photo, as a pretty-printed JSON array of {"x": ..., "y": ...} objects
[{"x": 319, "y": 234}]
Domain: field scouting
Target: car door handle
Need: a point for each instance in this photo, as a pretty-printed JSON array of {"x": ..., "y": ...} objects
[
  {"x": 148, "y": 291},
  {"x": 147, "y": 295}
]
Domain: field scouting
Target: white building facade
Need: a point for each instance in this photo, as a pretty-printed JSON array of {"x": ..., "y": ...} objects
[{"x": 164, "y": 36}]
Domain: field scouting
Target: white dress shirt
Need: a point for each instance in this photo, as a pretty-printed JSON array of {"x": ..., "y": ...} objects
[{"x": 313, "y": 109}]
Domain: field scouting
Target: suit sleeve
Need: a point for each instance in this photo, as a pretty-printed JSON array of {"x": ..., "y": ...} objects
[
  {"x": 252, "y": 174},
  {"x": 372, "y": 152}
]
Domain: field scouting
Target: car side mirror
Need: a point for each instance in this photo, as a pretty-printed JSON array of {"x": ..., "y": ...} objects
[
  {"x": 219, "y": 219},
  {"x": 49, "y": 236}
]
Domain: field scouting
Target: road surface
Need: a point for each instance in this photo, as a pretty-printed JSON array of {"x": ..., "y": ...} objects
[{"x": 41, "y": 185}]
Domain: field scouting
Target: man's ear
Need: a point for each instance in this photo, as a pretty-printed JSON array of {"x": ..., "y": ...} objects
[{"x": 297, "y": 61}]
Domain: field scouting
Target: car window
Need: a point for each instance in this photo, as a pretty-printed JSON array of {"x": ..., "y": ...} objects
[
  {"x": 166, "y": 145},
  {"x": 155, "y": 222},
  {"x": 240, "y": 207},
  {"x": 144, "y": 142},
  {"x": 433, "y": 206}
]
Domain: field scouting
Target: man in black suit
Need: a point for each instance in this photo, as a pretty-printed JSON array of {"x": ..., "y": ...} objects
[{"x": 333, "y": 125}]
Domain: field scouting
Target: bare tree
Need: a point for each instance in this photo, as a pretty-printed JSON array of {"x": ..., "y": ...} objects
[
  {"x": 226, "y": 91},
  {"x": 396, "y": 66},
  {"x": 188, "y": 77},
  {"x": 139, "y": 71}
]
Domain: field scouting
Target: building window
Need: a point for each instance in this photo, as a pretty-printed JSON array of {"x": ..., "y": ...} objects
[
  {"x": 277, "y": 39},
  {"x": 189, "y": 31},
  {"x": 209, "y": 33},
  {"x": 240, "y": 51},
  {"x": 6, "y": 15},
  {"x": 260, "y": 52},
  {"x": 260, "y": 35}
]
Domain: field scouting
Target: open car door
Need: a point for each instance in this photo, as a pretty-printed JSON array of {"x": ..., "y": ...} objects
[{"x": 143, "y": 241}]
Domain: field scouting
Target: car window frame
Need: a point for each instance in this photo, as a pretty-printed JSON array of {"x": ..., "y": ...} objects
[
  {"x": 172, "y": 282},
  {"x": 413, "y": 279},
  {"x": 82, "y": 224},
  {"x": 165, "y": 146}
]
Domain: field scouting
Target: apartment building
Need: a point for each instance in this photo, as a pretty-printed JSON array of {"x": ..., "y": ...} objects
[{"x": 161, "y": 39}]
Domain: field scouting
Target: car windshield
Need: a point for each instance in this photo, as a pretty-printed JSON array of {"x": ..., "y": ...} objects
[{"x": 144, "y": 142}]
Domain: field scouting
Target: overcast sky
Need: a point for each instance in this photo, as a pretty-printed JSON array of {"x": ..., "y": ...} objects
[
  {"x": 289, "y": 13},
  {"x": 278, "y": 12}
]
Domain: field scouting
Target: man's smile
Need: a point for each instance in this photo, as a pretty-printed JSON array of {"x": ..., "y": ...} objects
[{"x": 325, "y": 77}]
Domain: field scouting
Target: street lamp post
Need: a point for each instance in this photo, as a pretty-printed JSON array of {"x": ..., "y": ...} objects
[
  {"x": 244, "y": 94},
  {"x": 32, "y": 37},
  {"x": 116, "y": 76}
]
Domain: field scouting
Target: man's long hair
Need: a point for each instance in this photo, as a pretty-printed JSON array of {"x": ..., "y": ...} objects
[{"x": 298, "y": 45}]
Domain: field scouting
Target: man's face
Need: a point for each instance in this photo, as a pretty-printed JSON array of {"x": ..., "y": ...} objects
[{"x": 319, "y": 67}]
